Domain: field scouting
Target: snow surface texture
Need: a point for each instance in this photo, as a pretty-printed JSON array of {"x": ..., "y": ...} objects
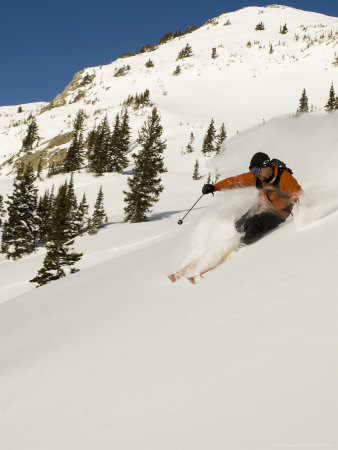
[{"x": 115, "y": 356}]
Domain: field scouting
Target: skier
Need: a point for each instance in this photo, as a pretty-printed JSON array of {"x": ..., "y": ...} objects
[{"x": 278, "y": 191}]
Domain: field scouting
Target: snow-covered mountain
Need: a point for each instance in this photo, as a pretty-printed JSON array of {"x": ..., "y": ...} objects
[
  {"x": 244, "y": 85},
  {"x": 115, "y": 356}
]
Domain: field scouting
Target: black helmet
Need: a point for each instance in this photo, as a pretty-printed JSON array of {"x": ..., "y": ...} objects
[{"x": 260, "y": 159}]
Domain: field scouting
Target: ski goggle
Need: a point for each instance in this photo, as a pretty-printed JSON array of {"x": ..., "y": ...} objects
[{"x": 255, "y": 170}]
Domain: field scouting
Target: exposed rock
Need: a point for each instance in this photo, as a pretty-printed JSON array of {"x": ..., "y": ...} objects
[
  {"x": 79, "y": 81},
  {"x": 44, "y": 157}
]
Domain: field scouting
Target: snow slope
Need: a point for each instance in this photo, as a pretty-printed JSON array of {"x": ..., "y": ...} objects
[{"x": 115, "y": 356}]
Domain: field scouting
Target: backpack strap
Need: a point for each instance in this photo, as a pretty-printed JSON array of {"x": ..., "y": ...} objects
[{"x": 275, "y": 188}]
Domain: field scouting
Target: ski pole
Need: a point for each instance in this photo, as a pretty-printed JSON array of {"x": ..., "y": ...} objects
[{"x": 180, "y": 222}]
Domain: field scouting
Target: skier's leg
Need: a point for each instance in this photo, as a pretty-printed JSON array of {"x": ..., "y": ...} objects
[
  {"x": 240, "y": 224},
  {"x": 256, "y": 226}
]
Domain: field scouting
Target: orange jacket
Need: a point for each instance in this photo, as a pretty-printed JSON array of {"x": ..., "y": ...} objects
[{"x": 279, "y": 199}]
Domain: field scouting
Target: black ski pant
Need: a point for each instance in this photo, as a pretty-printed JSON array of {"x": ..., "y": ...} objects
[{"x": 256, "y": 225}]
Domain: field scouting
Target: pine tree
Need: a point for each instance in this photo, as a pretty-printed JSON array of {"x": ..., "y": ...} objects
[
  {"x": 149, "y": 64},
  {"x": 31, "y": 137},
  {"x": 21, "y": 229},
  {"x": 124, "y": 141},
  {"x": 284, "y": 29},
  {"x": 196, "y": 175},
  {"x": 44, "y": 212},
  {"x": 60, "y": 257},
  {"x": 213, "y": 53},
  {"x": 39, "y": 170},
  {"x": 177, "y": 71},
  {"x": 208, "y": 141},
  {"x": 119, "y": 144},
  {"x": 2, "y": 208},
  {"x": 113, "y": 146},
  {"x": 220, "y": 138},
  {"x": 139, "y": 100},
  {"x": 303, "y": 104},
  {"x": 82, "y": 215},
  {"x": 260, "y": 26},
  {"x": 270, "y": 49},
  {"x": 331, "y": 104},
  {"x": 72, "y": 205},
  {"x": 74, "y": 158},
  {"x": 186, "y": 52},
  {"x": 145, "y": 184},
  {"x": 99, "y": 216},
  {"x": 189, "y": 146},
  {"x": 98, "y": 148}
]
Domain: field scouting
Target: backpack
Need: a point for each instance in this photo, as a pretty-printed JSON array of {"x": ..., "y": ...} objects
[{"x": 281, "y": 165}]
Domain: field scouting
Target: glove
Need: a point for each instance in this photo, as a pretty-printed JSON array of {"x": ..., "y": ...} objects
[{"x": 208, "y": 189}]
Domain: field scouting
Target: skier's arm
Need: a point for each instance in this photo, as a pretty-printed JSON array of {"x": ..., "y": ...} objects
[{"x": 239, "y": 181}]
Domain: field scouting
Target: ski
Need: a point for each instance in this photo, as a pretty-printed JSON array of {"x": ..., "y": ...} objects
[
  {"x": 182, "y": 272},
  {"x": 225, "y": 257}
]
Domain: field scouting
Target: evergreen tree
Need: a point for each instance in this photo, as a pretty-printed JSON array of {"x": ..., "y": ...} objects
[
  {"x": 31, "y": 137},
  {"x": 213, "y": 53},
  {"x": 98, "y": 148},
  {"x": 145, "y": 98},
  {"x": 119, "y": 144},
  {"x": 2, "y": 208},
  {"x": 208, "y": 141},
  {"x": 149, "y": 64},
  {"x": 60, "y": 257},
  {"x": 284, "y": 29},
  {"x": 45, "y": 211},
  {"x": 91, "y": 143},
  {"x": 189, "y": 146},
  {"x": 121, "y": 71},
  {"x": 124, "y": 142},
  {"x": 74, "y": 158},
  {"x": 99, "y": 215},
  {"x": 21, "y": 229},
  {"x": 220, "y": 138},
  {"x": 82, "y": 214},
  {"x": 331, "y": 105},
  {"x": 145, "y": 184},
  {"x": 260, "y": 26},
  {"x": 177, "y": 71},
  {"x": 303, "y": 104},
  {"x": 271, "y": 49},
  {"x": 72, "y": 206},
  {"x": 39, "y": 170},
  {"x": 186, "y": 52},
  {"x": 113, "y": 147},
  {"x": 139, "y": 100},
  {"x": 196, "y": 175}
]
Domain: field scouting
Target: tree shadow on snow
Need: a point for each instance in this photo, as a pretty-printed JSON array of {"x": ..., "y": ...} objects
[{"x": 167, "y": 214}]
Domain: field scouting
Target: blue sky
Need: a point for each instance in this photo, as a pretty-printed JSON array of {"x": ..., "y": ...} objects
[{"x": 43, "y": 44}]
